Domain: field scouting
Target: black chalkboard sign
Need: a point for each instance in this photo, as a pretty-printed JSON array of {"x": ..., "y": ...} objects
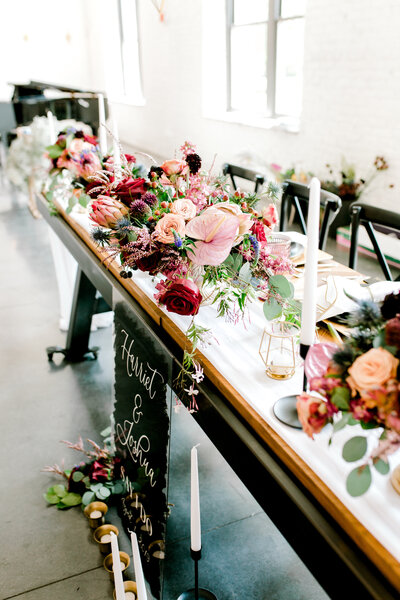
[{"x": 143, "y": 370}]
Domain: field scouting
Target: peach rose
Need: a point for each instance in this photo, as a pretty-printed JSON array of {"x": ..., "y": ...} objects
[
  {"x": 184, "y": 208},
  {"x": 163, "y": 231},
  {"x": 374, "y": 368},
  {"x": 175, "y": 167},
  {"x": 312, "y": 412}
]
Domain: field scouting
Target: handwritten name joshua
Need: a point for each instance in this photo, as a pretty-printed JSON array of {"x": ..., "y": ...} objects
[{"x": 135, "y": 367}]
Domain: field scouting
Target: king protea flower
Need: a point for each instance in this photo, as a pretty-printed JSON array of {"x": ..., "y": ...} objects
[{"x": 106, "y": 212}]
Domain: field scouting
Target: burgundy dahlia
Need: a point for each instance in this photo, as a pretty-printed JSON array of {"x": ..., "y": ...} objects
[{"x": 194, "y": 162}]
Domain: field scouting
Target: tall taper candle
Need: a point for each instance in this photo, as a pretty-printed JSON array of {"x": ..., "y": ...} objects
[
  {"x": 195, "y": 524},
  {"x": 118, "y": 581},
  {"x": 309, "y": 308},
  {"x": 52, "y": 127},
  {"x": 137, "y": 563},
  {"x": 102, "y": 129}
]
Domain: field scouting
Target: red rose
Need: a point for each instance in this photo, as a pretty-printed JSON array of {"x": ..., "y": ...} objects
[
  {"x": 182, "y": 296},
  {"x": 258, "y": 230},
  {"x": 149, "y": 263},
  {"x": 129, "y": 189}
]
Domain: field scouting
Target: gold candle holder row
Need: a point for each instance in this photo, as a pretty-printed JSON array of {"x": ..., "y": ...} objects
[{"x": 95, "y": 513}]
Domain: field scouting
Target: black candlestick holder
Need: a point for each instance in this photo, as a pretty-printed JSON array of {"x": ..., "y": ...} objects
[
  {"x": 197, "y": 593},
  {"x": 285, "y": 408}
]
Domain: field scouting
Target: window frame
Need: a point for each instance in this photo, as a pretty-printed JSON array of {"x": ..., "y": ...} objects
[
  {"x": 274, "y": 18},
  {"x": 137, "y": 98}
]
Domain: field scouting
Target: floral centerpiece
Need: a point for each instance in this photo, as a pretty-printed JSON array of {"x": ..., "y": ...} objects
[
  {"x": 90, "y": 480},
  {"x": 359, "y": 383},
  {"x": 75, "y": 157},
  {"x": 202, "y": 242}
]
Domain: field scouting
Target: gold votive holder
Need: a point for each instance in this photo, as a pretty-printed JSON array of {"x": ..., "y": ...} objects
[
  {"x": 130, "y": 589},
  {"x": 108, "y": 563},
  {"x": 95, "y": 512},
  {"x": 102, "y": 536},
  {"x": 157, "y": 549},
  {"x": 279, "y": 349},
  {"x": 136, "y": 500}
]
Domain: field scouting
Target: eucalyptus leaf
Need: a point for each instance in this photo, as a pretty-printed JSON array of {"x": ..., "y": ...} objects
[
  {"x": 282, "y": 286},
  {"x": 72, "y": 499},
  {"x": 245, "y": 272},
  {"x": 342, "y": 422},
  {"x": 358, "y": 481},
  {"x": 77, "y": 476},
  {"x": 60, "y": 490},
  {"x": 118, "y": 488},
  {"x": 95, "y": 487},
  {"x": 88, "y": 497},
  {"x": 106, "y": 432},
  {"x": 272, "y": 309},
  {"x": 54, "y": 151},
  {"x": 355, "y": 448},
  {"x": 62, "y": 506},
  {"x": 382, "y": 466},
  {"x": 103, "y": 493},
  {"x": 84, "y": 200}
]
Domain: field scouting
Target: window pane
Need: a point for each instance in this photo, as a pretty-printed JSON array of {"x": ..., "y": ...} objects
[
  {"x": 293, "y": 8},
  {"x": 249, "y": 12},
  {"x": 249, "y": 68},
  {"x": 289, "y": 67}
]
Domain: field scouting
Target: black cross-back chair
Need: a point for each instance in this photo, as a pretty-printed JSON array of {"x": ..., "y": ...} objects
[
  {"x": 294, "y": 194},
  {"x": 236, "y": 171},
  {"x": 367, "y": 215}
]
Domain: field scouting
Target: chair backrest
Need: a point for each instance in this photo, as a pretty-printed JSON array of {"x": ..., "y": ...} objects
[
  {"x": 298, "y": 194},
  {"x": 386, "y": 221},
  {"x": 236, "y": 171}
]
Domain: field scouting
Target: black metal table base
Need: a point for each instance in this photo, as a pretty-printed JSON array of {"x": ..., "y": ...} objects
[{"x": 84, "y": 305}]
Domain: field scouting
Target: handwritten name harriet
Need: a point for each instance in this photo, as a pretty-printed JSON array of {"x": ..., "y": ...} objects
[{"x": 135, "y": 367}]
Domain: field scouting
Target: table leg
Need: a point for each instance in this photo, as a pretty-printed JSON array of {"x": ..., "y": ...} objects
[{"x": 83, "y": 307}]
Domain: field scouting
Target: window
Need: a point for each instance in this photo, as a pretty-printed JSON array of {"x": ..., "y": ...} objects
[
  {"x": 122, "y": 56},
  {"x": 265, "y": 42}
]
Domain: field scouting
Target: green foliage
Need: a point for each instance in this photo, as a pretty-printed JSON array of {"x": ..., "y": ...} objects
[
  {"x": 59, "y": 496},
  {"x": 272, "y": 309},
  {"x": 280, "y": 285},
  {"x": 342, "y": 422},
  {"x": 341, "y": 398},
  {"x": 381, "y": 466},
  {"x": 54, "y": 151},
  {"x": 355, "y": 448},
  {"x": 358, "y": 481}
]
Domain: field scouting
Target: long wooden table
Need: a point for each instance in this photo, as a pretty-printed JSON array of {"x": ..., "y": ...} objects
[{"x": 341, "y": 553}]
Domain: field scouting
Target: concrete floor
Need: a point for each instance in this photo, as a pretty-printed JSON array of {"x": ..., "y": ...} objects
[{"x": 47, "y": 554}]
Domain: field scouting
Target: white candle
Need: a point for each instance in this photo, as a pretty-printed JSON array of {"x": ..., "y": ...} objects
[
  {"x": 96, "y": 514},
  {"x": 195, "y": 525},
  {"x": 106, "y": 538},
  {"x": 130, "y": 596},
  {"x": 52, "y": 127},
  {"x": 309, "y": 308},
  {"x": 117, "y": 569},
  {"x": 102, "y": 127},
  {"x": 137, "y": 563}
]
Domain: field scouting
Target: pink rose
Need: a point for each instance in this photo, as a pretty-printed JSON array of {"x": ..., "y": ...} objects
[
  {"x": 184, "y": 208},
  {"x": 163, "y": 231},
  {"x": 78, "y": 145},
  {"x": 175, "y": 167},
  {"x": 372, "y": 369},
  {"x": 270, "y": 216},
  {"x": 312, "y": 412}
]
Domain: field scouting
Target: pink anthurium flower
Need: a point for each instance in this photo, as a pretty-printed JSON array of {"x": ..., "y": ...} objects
[{"x": 215, "y": 235}]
